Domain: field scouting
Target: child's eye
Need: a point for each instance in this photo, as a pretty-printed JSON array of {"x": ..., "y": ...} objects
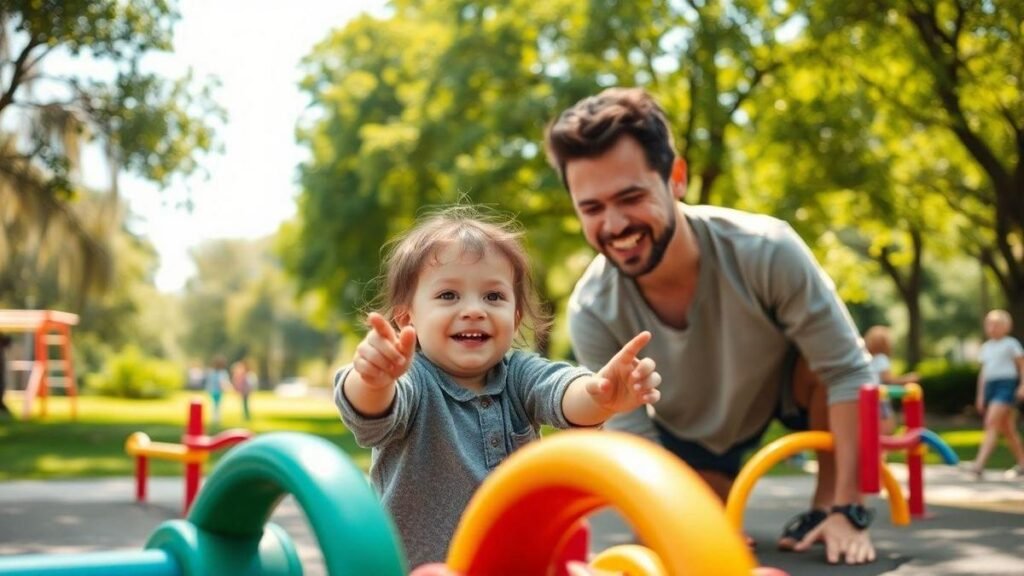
[
  {"x": 494, "y": 296},
  {"x": 447, "y": 295}
]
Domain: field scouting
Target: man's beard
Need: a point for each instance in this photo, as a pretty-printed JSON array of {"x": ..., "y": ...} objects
[{"x": 659, "y": 246}]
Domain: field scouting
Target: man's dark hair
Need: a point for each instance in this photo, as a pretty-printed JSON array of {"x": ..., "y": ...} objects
[{"x": 595, "y": 124}]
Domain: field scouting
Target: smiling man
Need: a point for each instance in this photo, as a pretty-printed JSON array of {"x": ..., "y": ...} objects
[{"x": 747, "y": 325}]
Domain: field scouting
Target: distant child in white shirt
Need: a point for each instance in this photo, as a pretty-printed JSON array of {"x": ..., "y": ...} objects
[
  {"x": 1001, "y": 380},
  {"x": 878, "y": 341}
]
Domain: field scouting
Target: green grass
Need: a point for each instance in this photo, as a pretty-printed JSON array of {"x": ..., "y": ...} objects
[{"x": 92, "y": 446}]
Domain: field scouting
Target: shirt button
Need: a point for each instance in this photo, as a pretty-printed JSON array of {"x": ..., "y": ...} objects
[
  {"x": 494, "y": 442},
  {"x": 485, "y": 403}
]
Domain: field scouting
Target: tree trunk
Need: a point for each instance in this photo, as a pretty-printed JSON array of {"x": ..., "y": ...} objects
[
  {"x": 1015, "y": 306},
  {"x": 914, "y": 324},
  {"x": 908, "y": 286}
]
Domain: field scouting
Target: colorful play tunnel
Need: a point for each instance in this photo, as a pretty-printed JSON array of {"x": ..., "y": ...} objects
[
  {"x": 516, "y": 520},
  {"x": 517, "y": 523},
  {"x": 227, "y": 533}
]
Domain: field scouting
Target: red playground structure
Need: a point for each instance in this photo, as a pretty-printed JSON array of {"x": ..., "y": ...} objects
[
  {"x": 50, "y": 328},
  {"x": 193, "y": 452},
  {"x": 915, "y": 440}
]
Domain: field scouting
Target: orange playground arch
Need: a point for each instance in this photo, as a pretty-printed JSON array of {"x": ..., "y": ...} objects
[{"x": 51, "y": 329}]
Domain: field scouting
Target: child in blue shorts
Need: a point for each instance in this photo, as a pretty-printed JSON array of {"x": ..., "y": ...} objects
[{"x": 1000, "y": 381}]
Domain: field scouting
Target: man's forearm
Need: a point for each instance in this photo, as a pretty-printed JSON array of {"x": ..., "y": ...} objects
[{"x": 844, "y": 421}]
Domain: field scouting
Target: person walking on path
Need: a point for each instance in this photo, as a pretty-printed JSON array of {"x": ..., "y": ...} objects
[
  {"x": 1000, "y": 386},
  {"x": 244, "y": 382},
  {"x": 216, "y": 382}
]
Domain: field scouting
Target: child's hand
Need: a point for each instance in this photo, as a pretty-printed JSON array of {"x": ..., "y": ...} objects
[
  {"x": 383, "y": 356},
  {"x": 626, "y": 382}
]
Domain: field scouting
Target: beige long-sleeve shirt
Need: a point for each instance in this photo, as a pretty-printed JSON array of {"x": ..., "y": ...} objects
[{"x": 759, "y": 294}]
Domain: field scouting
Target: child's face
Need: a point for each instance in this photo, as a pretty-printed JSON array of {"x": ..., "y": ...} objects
[
  {"x": 464, "y": 312},
  {"x": 996, "y": 327}
]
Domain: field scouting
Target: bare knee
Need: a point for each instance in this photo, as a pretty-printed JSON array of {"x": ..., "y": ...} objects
[
  {"x": 720, "y": 483},
  {"x": 996, "y": 417}
]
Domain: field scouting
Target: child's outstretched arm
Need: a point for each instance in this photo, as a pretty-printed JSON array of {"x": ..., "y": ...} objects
[
  {"x": 624, "y": 383},
  {"x": 380, "y": 359}
]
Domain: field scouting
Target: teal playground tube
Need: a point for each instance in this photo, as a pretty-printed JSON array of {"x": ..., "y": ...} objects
[{"x": 227, "y": 530}]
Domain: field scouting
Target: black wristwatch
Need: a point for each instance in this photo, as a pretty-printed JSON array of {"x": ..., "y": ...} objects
[{"x": 857, "y": 514}]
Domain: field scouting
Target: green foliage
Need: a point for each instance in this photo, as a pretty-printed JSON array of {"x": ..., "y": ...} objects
[
  {"x": 240, "y": 304},
  {"x": 131, "y": 374},
  {"x": 423, "y": 108},
  {"x": 74, "y": 77},
  {"x": 446, "y": 100},
  {"x": 942, "y": 79},
  {"x": 948, "y": 388}
]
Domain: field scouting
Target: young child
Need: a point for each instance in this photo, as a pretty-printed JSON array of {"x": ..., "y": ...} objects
[
  {"x": 878, "y": 341},
  {"x": 216, "y": 381},
  {"x": 1000, "y": 380},
  {"x": 435, "y": 390}
]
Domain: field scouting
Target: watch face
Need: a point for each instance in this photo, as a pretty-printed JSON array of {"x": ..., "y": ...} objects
[
  {"x": 860, "y": 516},
  {"x": 857, "y": 514}
]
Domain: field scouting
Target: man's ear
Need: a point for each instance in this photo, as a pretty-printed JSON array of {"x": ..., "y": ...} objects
[{"x": 678, "y": 179}]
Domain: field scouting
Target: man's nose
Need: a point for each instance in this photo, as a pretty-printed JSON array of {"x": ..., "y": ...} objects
[{"x": 614, "y": 222}]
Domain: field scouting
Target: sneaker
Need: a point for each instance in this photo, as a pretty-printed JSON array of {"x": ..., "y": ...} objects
[
  {"x": 1014, "y": 473},
  {"x": 970, "y": 468}
]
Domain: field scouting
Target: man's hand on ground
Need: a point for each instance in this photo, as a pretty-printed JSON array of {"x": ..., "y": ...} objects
[{"x": 842, "y": 541}]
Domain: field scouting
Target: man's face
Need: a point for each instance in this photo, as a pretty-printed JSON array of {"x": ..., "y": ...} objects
[{"x": 626, "y": 209}]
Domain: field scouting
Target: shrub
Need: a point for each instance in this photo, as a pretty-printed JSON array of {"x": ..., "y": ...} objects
[
  {"x": 948, "y": 388},
  {"x": 129, "y": 374}
]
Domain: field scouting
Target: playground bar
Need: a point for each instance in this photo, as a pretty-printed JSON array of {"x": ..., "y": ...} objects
[
  {"x": 913, "y": 408},
  {"x": 870, "y": 439},
  {"x": 127, "y": 563}
]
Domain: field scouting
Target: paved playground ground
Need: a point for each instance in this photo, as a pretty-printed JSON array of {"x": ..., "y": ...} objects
[{"x": 975, "y": 528}]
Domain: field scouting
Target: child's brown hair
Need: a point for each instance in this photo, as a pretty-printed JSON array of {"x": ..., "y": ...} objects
[{"x": 475, "y": 233}]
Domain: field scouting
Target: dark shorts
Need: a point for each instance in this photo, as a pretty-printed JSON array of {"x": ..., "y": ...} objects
[
  {"x": 729, "y": 462},
  {"x": 1001, "y": 391}
]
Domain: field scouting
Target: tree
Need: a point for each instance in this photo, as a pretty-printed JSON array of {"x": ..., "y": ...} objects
[
  {"x": 240, "y": 304},
  {"x": 831, "y": 159},
  {"x": 144, "y": 124},
  {"x": 424, "y": 108},
  {"x": 953, "y": 69},
  {"x": 448, "y": 99}
]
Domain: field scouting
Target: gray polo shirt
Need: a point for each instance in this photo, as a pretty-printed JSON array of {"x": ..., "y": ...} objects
[
  {"x": 760, "y": 297},
  {"x": 439, "y": 441}
]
